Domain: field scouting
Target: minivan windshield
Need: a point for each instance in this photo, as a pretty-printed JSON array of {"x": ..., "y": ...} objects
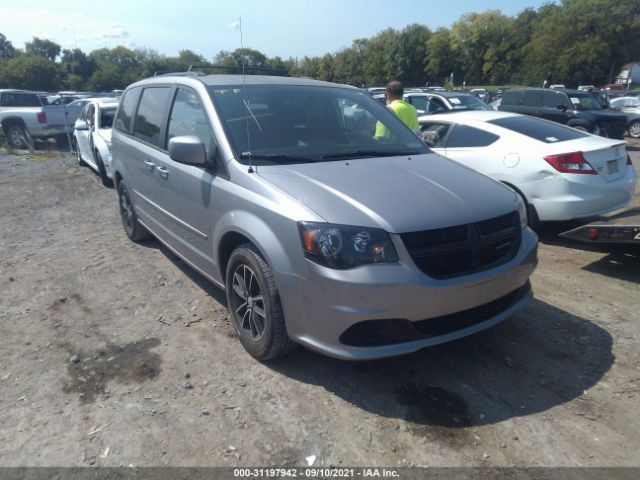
[{"x": 276, "y": 124}]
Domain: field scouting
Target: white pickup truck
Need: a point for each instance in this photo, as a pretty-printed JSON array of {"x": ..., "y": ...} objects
[{"x": 23, "y": 118}]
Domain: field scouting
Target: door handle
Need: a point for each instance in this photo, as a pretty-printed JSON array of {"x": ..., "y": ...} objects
[
  {"x": 150, "y": 165},
  {"x": 164, "y": 173}
]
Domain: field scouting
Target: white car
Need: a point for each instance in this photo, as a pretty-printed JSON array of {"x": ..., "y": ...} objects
[
  {"x": 92, "y": 137},
  {"x": 561, "y": 173}
]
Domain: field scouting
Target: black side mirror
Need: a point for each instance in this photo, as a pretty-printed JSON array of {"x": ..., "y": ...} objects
[{"x": 562, "y": 108}]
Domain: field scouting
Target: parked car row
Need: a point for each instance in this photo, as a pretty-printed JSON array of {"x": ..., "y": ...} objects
[
  {"x": 323, "y": 234},
  {"x": 26, "y": 115}
]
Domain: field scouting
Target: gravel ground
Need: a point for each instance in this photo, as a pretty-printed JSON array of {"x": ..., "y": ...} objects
[{"x": 115, "y": 353}]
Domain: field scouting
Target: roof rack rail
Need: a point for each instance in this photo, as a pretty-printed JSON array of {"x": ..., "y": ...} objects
[
  {"x": 238, "y": 69},
  {"x": 163, "y": 73}
]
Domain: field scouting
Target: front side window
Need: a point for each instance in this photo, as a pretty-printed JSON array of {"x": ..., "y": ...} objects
[
  {"x": 301, "y": 123},
  {"x": 188, "y": 118},
  {"x": 553, "y": 100},
  {"x": 464, "y": 136},
  {"x": 148, "y": 123},
  {"x": 422, "y": 103}
]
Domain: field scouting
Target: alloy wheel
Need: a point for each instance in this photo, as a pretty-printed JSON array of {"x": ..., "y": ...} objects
[{"x": 248, "y": 302}]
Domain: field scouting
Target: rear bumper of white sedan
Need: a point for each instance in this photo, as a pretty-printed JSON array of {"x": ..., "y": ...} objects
[{"x": 568, "y": 196}]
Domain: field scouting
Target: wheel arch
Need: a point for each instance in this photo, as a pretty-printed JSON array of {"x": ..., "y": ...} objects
[
  {"x": 532, "y": 213},
  {"x": 241, "y": 227},
  {"x": 9, "y": 122}
]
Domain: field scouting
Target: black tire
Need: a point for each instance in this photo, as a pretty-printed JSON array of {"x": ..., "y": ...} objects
[
  {"x": 634, "y": 129},
  {"x": 16, "y": 136},
  {"x": 132, "y": 227},
  {"x": 78, "y": 156},
  {"x": 62, "y": 141},
  {"x": 102, "y": 171},
  {"x": 249, "y": 284}
]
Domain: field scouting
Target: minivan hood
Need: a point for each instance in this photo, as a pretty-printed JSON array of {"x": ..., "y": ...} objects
[{"x": 398, "y": 194}]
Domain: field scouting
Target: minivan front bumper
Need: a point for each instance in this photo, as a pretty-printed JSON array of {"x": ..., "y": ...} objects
[{"x": 327, "y": 309}]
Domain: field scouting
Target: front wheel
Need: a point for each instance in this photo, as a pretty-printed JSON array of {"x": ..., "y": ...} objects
[
  {"x": 254, "y": 305},
  {"x": 134, "y": 230},
  {"x": 634, "y": 129}
]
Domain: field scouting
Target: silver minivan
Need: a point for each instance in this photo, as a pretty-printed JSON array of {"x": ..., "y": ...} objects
[{"x": 322, "y": 234}]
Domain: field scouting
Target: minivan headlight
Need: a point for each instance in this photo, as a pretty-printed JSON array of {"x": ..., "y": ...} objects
[
  {"x": 344, "y": 246},
  {"x": 522, "y": 211}
]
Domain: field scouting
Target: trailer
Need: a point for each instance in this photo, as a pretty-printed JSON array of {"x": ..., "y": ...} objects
[{"x": 623, "y": 228}]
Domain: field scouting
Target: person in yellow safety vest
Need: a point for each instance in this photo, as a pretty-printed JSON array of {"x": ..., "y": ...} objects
[{"x": 405, "y": 111}]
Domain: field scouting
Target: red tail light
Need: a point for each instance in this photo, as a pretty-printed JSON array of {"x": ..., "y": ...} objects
[
  {"x": 42, "y": 117},
  {"x": 570, "y": 163}
]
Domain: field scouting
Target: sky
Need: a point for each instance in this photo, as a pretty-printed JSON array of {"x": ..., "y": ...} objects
[{"x": 285, "y": 28}]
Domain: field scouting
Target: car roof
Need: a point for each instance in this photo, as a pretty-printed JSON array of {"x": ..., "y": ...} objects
[
  {"x": 222, "y": 80},
  {"x": 445, "y": 94},
  {"x": 565, "y": 90},
  {"x": 15, "y": 90},
  {"x": 476, "y": 115}
]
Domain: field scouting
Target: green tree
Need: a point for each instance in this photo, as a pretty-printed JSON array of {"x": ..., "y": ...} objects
[
  {"x": 582, "y": 41},
  {"x": 42, "y": 47},
  {"x": 440, "y": 60},
  {"x": 6, "y": 48},
  {"x": 480, "y": 42},
  {"x": 247, "y": 56},
  {"x": 408, "y": 55},
  {"x": 30, "y": 72}
]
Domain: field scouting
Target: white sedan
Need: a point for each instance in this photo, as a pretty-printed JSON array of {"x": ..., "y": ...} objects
[
  {"x": 92, "y": 137},
  {"x": 560, "y": 172}
]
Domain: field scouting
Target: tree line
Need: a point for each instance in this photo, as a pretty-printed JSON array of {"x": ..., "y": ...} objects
[{"x": 571, "y": 42}]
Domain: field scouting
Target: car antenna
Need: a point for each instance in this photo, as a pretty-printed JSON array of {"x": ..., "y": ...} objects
[{"x": 244, "y": 97}]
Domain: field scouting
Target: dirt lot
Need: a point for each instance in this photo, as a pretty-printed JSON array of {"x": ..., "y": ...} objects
[{"x": 161, "y": 380}]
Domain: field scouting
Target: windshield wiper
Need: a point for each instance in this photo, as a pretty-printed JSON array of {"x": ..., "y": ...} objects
[
  {"x": 278, "y": 157},
  {"x": 369, "y": 153}
]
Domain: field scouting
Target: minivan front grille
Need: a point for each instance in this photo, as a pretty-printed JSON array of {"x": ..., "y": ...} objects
[{"x": 464, "y": 249}]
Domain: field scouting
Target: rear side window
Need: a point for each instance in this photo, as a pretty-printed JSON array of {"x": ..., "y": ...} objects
[
  {"x": 18, "y": 99},
  {"x": 511, "y": 98},
  {"x": 464, "y": 136},
  {"x": 127, "y": 109},
  {"x": 533, "y": 99},
  {"x": 153, "y": 104},
  {"x": 538, "y": 129}
]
